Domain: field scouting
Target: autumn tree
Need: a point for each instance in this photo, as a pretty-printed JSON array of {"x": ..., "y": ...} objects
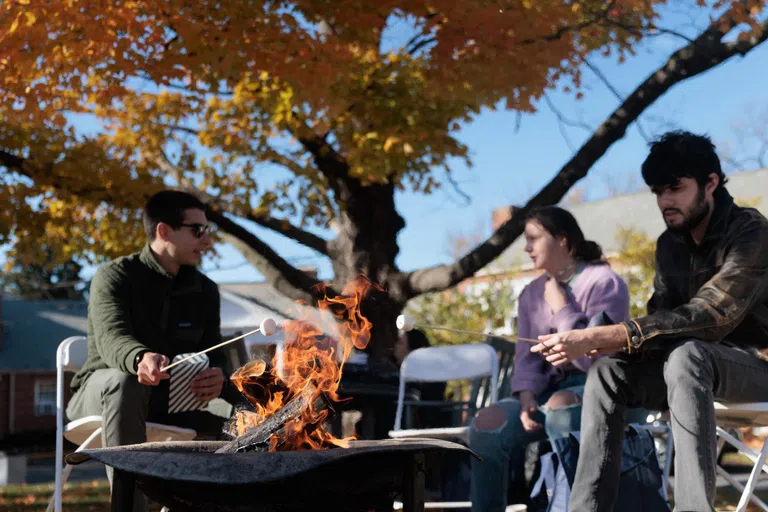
[{"x": 214, "y": 97}]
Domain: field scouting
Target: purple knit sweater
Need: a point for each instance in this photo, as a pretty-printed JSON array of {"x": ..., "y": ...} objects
[{"x": 597, "y": 288}]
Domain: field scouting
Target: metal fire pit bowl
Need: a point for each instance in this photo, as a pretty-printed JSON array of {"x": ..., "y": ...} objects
[{"x": 187, "y": 475}]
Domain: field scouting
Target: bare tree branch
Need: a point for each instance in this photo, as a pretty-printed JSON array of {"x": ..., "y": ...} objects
[
  {"x": 283, "y": 276},
  {"x": 616, "y": 93},
  {"x": 707, "y": 51}
]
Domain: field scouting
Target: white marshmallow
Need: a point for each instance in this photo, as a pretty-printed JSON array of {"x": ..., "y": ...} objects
[
  {"x": 268, "y": 327},
  {"x": 405, "y": 322}
]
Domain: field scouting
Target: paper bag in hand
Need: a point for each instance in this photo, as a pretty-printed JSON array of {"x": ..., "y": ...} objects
[{"x": 181, "y": 398}]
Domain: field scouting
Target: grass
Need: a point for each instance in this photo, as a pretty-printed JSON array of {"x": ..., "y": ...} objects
[{"x": 78, "y": 497}]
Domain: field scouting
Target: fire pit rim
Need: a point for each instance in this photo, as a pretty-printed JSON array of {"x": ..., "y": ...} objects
[{"x": 194, "y": 461}]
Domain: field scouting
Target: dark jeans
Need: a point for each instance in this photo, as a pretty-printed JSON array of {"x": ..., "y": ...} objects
[
  {"x": 125, "y": 406},
  {"x": 686, "y": 378}
]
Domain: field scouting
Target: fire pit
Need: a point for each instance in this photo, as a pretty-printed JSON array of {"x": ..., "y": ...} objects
[{"x": 366, "y": 476}]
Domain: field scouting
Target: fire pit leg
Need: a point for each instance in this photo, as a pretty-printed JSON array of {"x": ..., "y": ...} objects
[
  {"x": 123, "y": 488},
  {"x": 413, "y": 484}
]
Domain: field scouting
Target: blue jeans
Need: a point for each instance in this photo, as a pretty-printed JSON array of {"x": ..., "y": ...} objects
[{"x": 490, "y": 477}]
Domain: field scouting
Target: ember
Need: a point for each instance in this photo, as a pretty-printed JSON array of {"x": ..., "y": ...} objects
[{"x": 290, "y": 404}]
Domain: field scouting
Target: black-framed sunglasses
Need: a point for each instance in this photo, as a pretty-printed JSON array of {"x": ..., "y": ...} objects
[{"x": 198, "y": 230}]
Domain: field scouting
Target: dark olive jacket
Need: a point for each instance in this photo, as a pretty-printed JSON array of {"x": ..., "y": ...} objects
[{"x": 134, "y": 305}]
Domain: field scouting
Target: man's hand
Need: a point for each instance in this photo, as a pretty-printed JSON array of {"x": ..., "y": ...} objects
[
  {"x": 149, "y": 369},
  {"x": 208, "y": 384},
  {"x": 528, "y": 402},
  {"x": 554, "y": 295},
  {"x": 562, "y": 347}
]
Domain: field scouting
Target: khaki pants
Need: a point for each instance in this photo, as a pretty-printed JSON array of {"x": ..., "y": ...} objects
[{"x": 125, "y": 406}]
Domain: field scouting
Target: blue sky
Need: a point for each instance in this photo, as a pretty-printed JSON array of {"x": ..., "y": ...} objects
[{"x": 514, "y": 156}]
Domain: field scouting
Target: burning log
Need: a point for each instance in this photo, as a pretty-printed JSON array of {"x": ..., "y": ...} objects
[{"x": 276, "y": 429}]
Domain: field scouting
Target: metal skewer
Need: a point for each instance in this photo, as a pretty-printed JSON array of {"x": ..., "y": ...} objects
[
  {"x": 406, "y": 323},
  {"x": 267, "y": 328}
]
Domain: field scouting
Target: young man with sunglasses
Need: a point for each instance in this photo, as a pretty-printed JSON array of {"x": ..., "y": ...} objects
[{"x": 143, "y": 310}]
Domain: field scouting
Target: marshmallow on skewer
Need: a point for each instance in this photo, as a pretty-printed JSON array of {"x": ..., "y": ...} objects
[
  {"x": 268, "y": 327},
  {"x": 405, "y": 322}
]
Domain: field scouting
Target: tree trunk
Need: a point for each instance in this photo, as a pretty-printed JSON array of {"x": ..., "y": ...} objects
[{"x": 367, "y": 245}]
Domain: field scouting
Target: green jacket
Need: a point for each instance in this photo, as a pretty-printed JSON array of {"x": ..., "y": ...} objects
[{"x": 135, "y": 305}]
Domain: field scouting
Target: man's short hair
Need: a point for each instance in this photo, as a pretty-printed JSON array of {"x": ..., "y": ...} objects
[
  {"x": 168, "y": 206},
  {"x": 681, "y": 154}
]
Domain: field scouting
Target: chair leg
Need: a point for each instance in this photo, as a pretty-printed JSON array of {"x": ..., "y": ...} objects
[
  {"x": 750, "y": 487},
  {"x": 57, "y": 496}
]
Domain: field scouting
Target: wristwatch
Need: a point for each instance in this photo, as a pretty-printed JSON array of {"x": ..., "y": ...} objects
[{"x": 137, "y": 359}]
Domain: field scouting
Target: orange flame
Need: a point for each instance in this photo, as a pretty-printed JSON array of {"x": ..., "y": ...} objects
[{"x": 308, "y": 360}]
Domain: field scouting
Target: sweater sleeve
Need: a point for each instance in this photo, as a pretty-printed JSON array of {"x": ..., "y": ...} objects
[
  {"x": 529, "y": 374},
  {"x": 609, "y": 295},
  {"x": 109, "y": 309}
]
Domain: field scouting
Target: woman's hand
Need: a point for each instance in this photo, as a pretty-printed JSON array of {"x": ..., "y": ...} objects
[
  {"x": 530, "y": 406},
  {"x": 554, "y": 295}
]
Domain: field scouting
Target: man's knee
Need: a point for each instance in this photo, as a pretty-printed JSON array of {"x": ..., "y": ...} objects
[
  {"x": 124, "y": 389},
  {"x": 490, "y": 418},
  {"x": 562, "y": 399},
  {"x": 688, "y": 359}
]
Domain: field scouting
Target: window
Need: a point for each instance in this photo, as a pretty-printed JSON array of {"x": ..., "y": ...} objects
[{"x": 45, "y": 398}]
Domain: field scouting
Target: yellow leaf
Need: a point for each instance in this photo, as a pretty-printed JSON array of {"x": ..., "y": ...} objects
[
  {"x": 14, "y": 25},
  {"x": 31, "y": 18},
  {"x": 388, "y": 143}
]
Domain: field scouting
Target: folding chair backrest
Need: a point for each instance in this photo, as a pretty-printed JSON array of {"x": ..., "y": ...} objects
[
  {"x": 72, "y": 353},
  {"x": 441, "y": 364},
  {"x": 452, "y": 362}
]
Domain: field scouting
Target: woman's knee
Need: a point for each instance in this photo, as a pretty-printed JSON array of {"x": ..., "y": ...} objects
[
  {"x": 561, "y": 399},
  {"x": 490, "y": 418}
]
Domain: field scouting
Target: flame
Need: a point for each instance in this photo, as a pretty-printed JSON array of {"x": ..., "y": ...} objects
[{"x": 311, "y": 360}]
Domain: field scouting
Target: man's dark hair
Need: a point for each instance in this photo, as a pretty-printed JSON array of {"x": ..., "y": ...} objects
[
  {"x": 681, "y": 154},
  {"x": 168, "y": 206}
]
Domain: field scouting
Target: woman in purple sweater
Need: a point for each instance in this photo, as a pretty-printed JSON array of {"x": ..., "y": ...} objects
[{"x": 577, "y": 288}]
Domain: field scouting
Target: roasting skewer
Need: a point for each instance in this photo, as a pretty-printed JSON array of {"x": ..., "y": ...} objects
[
  {"x": 406, "y": 323},
  {"x": 268, "y": 327}
]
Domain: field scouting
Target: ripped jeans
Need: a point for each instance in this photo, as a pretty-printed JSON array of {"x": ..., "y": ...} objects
[{"x": 490, "y": 477}]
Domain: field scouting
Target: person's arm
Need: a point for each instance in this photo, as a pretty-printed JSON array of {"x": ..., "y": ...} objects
[
  {"x": 528, "y": 374},
  {"x": 721, "y": 303},
  {"x": 609, "y": 295},
  {"x": 109, "y": 310}
]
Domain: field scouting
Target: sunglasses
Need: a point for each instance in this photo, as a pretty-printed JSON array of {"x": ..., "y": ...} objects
[{"x": 198, "y": 230}]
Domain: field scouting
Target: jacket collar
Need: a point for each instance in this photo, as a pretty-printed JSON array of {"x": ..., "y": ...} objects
[
  {"x": 718, "y": 222},
  {"x": 148, "y": 258}
]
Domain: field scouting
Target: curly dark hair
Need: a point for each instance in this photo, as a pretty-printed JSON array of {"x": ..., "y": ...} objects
[{"x": 681, "y": 154}]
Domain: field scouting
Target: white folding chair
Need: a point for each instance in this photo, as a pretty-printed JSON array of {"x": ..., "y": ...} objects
[
  {"x": 443, "y": 364},
  {"x": 743, "y": 415},
  {"x": 86, "y": 432}
]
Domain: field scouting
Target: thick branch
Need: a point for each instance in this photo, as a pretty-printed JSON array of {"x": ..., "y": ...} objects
[
  {"x": 281, "y": 226},
  {"x": 704, "y": 53},
  {"x": 283, "y": 276}
]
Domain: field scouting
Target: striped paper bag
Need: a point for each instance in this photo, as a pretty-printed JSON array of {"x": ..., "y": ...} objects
[{"x": 181, "y": 398}]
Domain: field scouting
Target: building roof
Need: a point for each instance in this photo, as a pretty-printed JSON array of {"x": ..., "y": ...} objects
[
  {"x": 33, "y": 329},
  {"x": 601, "y": 220}
]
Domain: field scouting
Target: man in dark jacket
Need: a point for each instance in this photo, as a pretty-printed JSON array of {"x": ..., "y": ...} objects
[
  {"x": 143, "y": 310},
  {"x": 703, "y": 339}
]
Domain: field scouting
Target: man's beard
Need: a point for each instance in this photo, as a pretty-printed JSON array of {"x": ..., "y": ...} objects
[{"x": 693, "y": 217}]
